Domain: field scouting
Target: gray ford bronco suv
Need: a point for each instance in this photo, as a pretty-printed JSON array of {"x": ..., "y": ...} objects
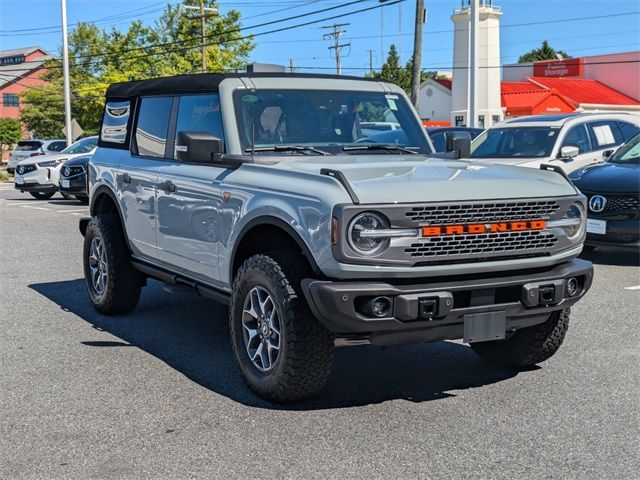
[{"x": 264, "y": 192}]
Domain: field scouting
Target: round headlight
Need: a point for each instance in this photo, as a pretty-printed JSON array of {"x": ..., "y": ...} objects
[
  {"x": 575, "y": 231},
  {"x": 361, "y": 233}
]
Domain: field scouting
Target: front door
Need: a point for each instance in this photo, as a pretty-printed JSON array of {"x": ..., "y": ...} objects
[{"x": 190, "y": 202}]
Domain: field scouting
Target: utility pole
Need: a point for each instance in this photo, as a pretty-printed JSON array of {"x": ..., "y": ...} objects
[
  {"x": 370, "y": 61},
  {"x": 65, "y": 70},
  {"x": 337, "y": 46},
  {"x": 292, "y": 65},
  {"x": 473, "y": 72},
  {"x": 204, "y": 13},
  {"x": 417, "y": 53}
]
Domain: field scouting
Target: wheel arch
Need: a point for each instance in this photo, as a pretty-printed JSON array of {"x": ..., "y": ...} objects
[
  {"x": 104, "y": 201},
  {"x": 263, "y": 234}
]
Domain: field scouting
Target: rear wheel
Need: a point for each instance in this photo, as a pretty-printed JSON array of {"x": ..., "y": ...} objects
[
  {"x": 112, "y": 283},
  {"x": 283, "y": 352},
  {"x": 527, "y": 346},
  {"x": 42, "y": 195}
]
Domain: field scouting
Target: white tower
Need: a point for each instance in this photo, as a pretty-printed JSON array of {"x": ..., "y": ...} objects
[{"x": 488, "y": 108}]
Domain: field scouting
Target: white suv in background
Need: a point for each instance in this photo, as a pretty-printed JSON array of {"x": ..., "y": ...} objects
[
  {"x": 40, "y": 175},
  {"x": 33, "y": 148},
  {"x": 570, "y": 141}
]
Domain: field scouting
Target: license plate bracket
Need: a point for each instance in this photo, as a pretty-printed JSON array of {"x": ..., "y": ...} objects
[
  {"x": 599, "y": 227},
  {"x": 486, "y": 326},
  {"x": 19, "y": 180},
  {"x": 65, "y": 183}
]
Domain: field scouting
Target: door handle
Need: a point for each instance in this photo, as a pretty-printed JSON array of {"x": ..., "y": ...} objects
[
  {"x": 125, "y": 178},
  {"x": 167, "y": 186}
]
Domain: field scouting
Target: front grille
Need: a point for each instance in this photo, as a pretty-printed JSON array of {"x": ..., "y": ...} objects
[
  {"x": 22, "y": 169},
  {"x": 71, "y": 171},
  {"x": 483, "y": 212},
  {"x": 621, "y": 204},
  {"x": 487, "y": 243}
]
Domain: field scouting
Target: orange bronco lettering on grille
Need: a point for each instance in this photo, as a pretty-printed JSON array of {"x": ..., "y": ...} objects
[{"x": 478, "y": 228}]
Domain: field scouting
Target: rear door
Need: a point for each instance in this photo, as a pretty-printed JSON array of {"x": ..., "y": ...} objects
[
  {"x": 605, "y": 135},
  {"x": 138, "y": 175},
  {"x": 190, "y": 206}
]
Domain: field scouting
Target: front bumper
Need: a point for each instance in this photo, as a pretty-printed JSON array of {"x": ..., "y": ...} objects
[
  {"x": 36, "y": 187},
  {"x": 77, "y": 185},
  {"x": 620, "y": 233},
  {"x": 527, "y": 298}
]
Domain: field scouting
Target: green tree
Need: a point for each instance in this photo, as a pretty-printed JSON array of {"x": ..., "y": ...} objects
[
  {"x": 99, "y": 57},
  {"x": 10, "y": 133},
  {"x": 545, "y": 52},
  {"x": 392, "y": 71}
]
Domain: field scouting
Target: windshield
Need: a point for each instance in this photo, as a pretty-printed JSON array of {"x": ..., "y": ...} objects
[
  {"x": 514, "y": 142},
  {"x": 82, "y": 146},
  {"x": 628, "y": 153},
  {"x": 28, "y": 146},
  {"x": 327, "y": 120}
]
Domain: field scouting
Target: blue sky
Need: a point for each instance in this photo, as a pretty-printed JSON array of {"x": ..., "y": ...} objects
[{"x": 523, "y": 22}]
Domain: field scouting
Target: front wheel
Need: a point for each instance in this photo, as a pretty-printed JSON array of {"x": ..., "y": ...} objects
[
  {"x": 283, "y": 352},
  {"x": 527, "y": 346},
  {"x": 112, "y": 283},
  {"x": 42, "y": 195}
]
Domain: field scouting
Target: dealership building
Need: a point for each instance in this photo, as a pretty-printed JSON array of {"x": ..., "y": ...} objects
[{"x": 586, "y": 84}]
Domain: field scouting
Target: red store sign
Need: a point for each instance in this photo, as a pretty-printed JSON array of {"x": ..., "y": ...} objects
[{"x": 568, "y": 67}]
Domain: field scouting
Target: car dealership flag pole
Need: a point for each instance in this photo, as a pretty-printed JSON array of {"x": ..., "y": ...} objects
[{"x": 65, "y": 70}]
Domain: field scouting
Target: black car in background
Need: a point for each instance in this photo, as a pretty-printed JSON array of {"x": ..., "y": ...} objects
[
  {"x": 438, "y": 135},
  {"x": 73, "y": 178},
  {"x": 613, "y": 193}
]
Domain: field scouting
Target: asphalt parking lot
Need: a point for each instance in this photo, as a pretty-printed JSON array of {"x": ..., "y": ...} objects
[{"x": 155, "y": 394}]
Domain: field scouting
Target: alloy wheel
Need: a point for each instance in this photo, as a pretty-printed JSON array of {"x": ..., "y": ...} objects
[{"x": 261, "y": 329}]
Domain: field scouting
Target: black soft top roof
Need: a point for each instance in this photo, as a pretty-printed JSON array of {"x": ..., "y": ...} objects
[{"x": 200, "y": 83}]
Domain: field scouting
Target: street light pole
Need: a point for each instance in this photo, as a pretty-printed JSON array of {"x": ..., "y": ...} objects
[
  {"x": 65, "y": 70},
  {"x": 417, "y": 54}
]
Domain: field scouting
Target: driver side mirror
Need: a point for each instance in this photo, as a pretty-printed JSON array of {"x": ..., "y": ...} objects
[
  {"x": 459, "y": 142},
  {"x": 569, "y": 152},
  {"x": 198, "y": 147}
]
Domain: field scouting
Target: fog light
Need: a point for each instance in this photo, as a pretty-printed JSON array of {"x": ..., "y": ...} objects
[
  {"x": 379, "y": 307},
  {"x": 572, "y": 287}
]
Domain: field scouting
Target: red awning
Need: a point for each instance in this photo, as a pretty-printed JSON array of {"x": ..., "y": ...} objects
[
  {"x": 580, "y": 90},
  {"x": 535, "y": 102}
]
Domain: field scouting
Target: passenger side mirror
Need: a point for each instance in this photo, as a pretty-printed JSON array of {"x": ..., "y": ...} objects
[
  {"x": 459, "y": 142},
  {"x": 568, "y": 152},
  {"x": 198, "y": 147}
]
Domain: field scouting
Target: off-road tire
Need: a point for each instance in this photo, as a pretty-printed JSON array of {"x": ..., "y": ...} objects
[
  {"x": 42, "y": 195},
  {"x": 123, "y": 284},
  {"x": 306, "y": 351},
  {"x": 528, "y": 346}
]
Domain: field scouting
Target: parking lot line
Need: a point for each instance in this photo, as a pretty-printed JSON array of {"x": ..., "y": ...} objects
[
  {"x": 635, "y": 287},
  {"x": 74, "y": 210}
]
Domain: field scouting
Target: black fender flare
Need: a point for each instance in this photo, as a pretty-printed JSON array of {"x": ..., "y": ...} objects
[
  {"x": 288, "y": 229},
  {"x": 104, "y": 189}
]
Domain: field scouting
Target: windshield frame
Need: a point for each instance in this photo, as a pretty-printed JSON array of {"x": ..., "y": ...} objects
[
  {"x": 423, "y": 146},
  {"x": 547, "y": 152}
]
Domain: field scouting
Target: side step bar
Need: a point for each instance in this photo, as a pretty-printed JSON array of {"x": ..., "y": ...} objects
[{"x": 171, "y": 278}]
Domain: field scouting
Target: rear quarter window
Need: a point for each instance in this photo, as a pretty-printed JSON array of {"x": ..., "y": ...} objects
[
  {"x": 115, "y": 124},
  {"x": 28, "y": 146}
]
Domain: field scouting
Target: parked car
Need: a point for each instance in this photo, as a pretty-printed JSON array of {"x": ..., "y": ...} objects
[
  {"x": 40, "y": 176},
  {"x": 570, "y": 141},
  {"x": 33, "y": 148},
  {"x": 264, "y": 198},
  {"x": 370, "y": 128},
  {"x": 613, "y": 192},
  {"x": 438, "y": 135},
  {"x": 73, "y": 178}
]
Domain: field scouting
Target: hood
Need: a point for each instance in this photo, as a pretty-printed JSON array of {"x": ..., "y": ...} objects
[
  {"x": 608, "y": 177},
  {"x": 418, "y": 178},
  {"x": 76, "y": 160}
]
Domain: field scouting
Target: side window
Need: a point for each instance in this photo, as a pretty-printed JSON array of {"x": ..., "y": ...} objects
[
  {"x": 56, "y": 146},
  {"x": 153, "y": 125},
  {"x": 605, "y": 134},
  {"x": 115, "y": 122},
  {"x": 628, "y": 130},
  {"x": 198, "y": 113},
  {"x": 578, "y": 137}
]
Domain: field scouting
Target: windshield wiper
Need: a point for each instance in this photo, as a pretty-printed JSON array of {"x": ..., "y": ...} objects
[
  {"x": 377, "y": 146},
  {"x": 286, "y": 148}
]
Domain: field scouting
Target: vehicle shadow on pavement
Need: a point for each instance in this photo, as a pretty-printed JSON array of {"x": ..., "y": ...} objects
[
  {"x": 190, "y": 334},
  {"x": 612, "y": 256}
]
